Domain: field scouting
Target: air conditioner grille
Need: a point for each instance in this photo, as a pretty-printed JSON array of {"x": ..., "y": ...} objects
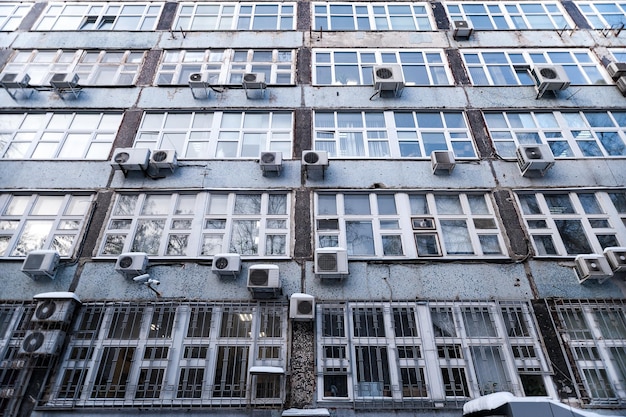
[
  {"x": 548, "y": 73},
  {"x": 384, "y": 73},
  {"x": 327, "y": 262},
  {"x": 533, "y": 153},
  {"x": 9, "y": 77},
  {"x": 268, "y": 158},
  {"x": 221, "y": 263},
  {"x": 122, "y": 157},
  {"x": 126, "y": 262},
  {"x": 159, "y": 156},
  {"x": 258, "y": 277},
  {"x": 33, "y": 341},
  {"x": 305, "y": 307},
  {"x": 34, "y": 261},
  {"x": 195, "y": 77},
  {"x": 311, "y": 157},
  {"x": 45, "y": 310},
  {"x": 249, "y": 77}
]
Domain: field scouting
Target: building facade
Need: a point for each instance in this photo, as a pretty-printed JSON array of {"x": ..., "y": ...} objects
[{"x": 372, "y": 208}]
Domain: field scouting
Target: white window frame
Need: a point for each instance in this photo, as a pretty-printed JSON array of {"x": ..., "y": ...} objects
[
  {"x": 327, "y": 63},
  {"x": 41, "y": 65},
  {"x": 582, "y": 67},
  {"x": 73, "y": 16},
  {"x": 372, "y": 16},
  {"x": 12, "y": 14},
  {"x": 510, "y": 15},
  {"x": 565, "y": 139},
  {"x": 58, "y": 135},
  {"x": 188, "y": 216},
  {"x": 405, "y": 225},
  {"x": 427, "y": 343},
  {"x": 600, "y": 20},
  {"x": 233, "y": 16},
  {"x": 619, "y": 54},
  {"x": 543, "y": 224},
  {"x": 18, "y": 214},
  {"x": 197, "y": 140},
  {"x": 331, "y": 138}
]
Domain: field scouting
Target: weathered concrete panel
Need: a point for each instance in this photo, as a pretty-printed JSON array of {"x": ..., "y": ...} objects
[
  {"x": 17, "y": 286},
  {"x": 53, "y": 175},
  {"x": 90, "y": 40},
  {"x": 249, "y": 39},
  {"x": 90, "y": 97}
]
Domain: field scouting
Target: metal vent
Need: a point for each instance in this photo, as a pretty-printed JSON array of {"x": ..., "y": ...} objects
[
  {"x": 249, "y": 77},
  {"x": 221, "y": 263},
  {"x": 533, "y": 153},
  {"x": 33, "y": 341},
  {"x": 384, "y": 73},
  {"x": 34, "y": 261},
  {"x": 259, "y": 277},
  {"x": 305, "y": 307},
  {"x": 268, "y": 157},
  {"x": 45, "y": 310},
  {"x": 195, "y": 77},
  {"x": 126, "y": 262},
  {"x": 311, "y": 157},
  {"x": 327, "y": 262},
  {"x": 9, "y": 77},
  {"x": 159, "y": 156},
  {"x": 548, "y": 73},
  {"x": 122, "y": 157}
]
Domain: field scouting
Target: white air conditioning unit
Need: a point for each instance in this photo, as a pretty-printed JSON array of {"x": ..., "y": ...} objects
[
  {"x": 42, "y": 342},
  {"x": 271, "y": 161},
  {"x": 14, "y": 80},
  {"x": 621, "y": 84},
  {"x": 442, "y": 162},
  {"x": 164, "y": 159},
  {"x": 132, "y": 264},
  {"x": 592, "y": 267},
  {"x": 315, "y": 158},
  {"x": 462, "y": 30},
  {"x": 331, "y": 262},
  {"x": 388, "y": 78},
  {"x": 198, "y": 80},
  {"x": 263, "y": 276},
  {"x": 131, "y": 159},
  {"x": 63, "y": 80},
  {"x": 55, "y": 307},
  {"x": 41, "y": 263},
  {"x": 254, "y": 81},
  {"x": 226, "y": 264},
  {"x": 616, "y": 256},
  {"x": 549, "y": 78},
  {"x": 534, "y": 159},
  {"x": 616, "y": 69},
  {"x": 301, "y": 306}
]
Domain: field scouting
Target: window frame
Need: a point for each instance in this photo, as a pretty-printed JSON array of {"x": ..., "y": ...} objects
[
  {"x": 234, "y": 18},
  {"x": 16, "y": 11},
  {"x": 375, "y": 17},
  {"x": 596, "y": 18}
]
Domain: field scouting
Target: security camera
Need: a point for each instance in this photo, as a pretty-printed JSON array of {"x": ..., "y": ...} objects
[
  {"x": 153, "y": 281},
  {"x": 140, "y": 278}
]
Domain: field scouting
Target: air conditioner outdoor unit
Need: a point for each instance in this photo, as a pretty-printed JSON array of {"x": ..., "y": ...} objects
[
  {"x": 42, "y": 342},
  {"x": 55, "y": 307},
  {"x": 616, "y": 256},
  {"x": 63, "y": 80},
  {"x": 592, "y": 267},
  {"x": 41, "y": 263},
  {"x": 132, "y": 264},
  {"x": 301, "y": 306},
  {"x": 226, "y": 264},
  {"x": 616, "y": 69},
  {"x": 462, "y": 30},
  {"x": 331, "y": 262},
  {"x": 198, "y": 80},
  {"x": 621, "y": 85},
  {"x": 14, "y": 80},
  {"x": 164, "y": 159},
  {"x": 254, "y": 81},
  {"x": 536, "y": 158},
  {"x": 442, "y": 162},
  {"x": 315, "y": 158},
  {"x": 131, "y": 159},
  {"x": 271, "y": 161},
  {"x": 549, "y": 78},
  {"x": 263, "y": 276},
  {"x": 388, "y": 78}
]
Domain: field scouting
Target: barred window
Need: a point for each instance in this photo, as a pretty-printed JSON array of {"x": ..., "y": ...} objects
[
  {"x": 602, "y": 14},
  {"x": 11, "y": 15},
  {"x": 371, "y": 16},
  {"x": 235, "y": 16},
  {"x": 505, "y": 15}
]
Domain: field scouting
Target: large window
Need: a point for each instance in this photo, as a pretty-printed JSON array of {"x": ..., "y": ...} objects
[
  {"x": 40, "y": 221},
  {"x": 571, "y": 223},
  {"x": 226, "y": 66},
  {"x": 208, "y": 135},
  {"x": 504, "y": 15},
  {"x": 11, "y": 15},
  {"x": 412, "y": 352},
  {"x": 99, "y": 16},
  {"x": 408, "y": 225},
  {"x": 371, "y": 16},
  {"x": 500, "y": 67},
  {"x": 109, "y": 67},
  {"x": 354, "y": 67},
  {"x": 602, "y": 14},
  {"x": 235, "y": 16},
  {"x": 183, "y": 354},
  {"x": 392, "y": 134},
  {"x": 199, "y": 225},
  {"x": 595, "y": 335},
  {"x": 57, "y": 135},
  {"x": 584, "y": 134}
]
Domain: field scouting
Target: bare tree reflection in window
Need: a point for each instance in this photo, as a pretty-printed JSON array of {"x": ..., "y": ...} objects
[
  {"x": 148, "y": 236},
  {"x": 248, "y": 204},
  {"x": 245, "y": 237},
  {"x": 573, "y": 236},
  {"x": 33, "y": 236},
  {"x": 360, "y": 238},
  {"x": 275, "y": 244},
  {"x": 277, "y": 204},
  {"x": 125, "y": 205}
]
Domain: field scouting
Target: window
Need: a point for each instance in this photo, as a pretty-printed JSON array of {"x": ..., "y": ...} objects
[
  {"x": 99, "y": 16},
  {"x": 235, "y": 16},
  {"x": 93, "y": 67},
  {"x": 602, "y": 14},
  {"x": 584, "y": 134},
  {"x": 371, "y": 16},
  {"x": 184, "y": 354},
  {"x": 572, "y": 223},
  {"x": 408, "y": 225},
  {"x": 354, "y": 67},
  {"x": 619, "y": 54},
  {"x": 510, "y": 15},
  {"x": 57, "y": 135},
  {"x": 199, "y": 225},
  {"x": 11, "y": 15},
  {"x": 392, "y": 134},
  {"x": 407, "y": 351},
  {"x": 226, "y": 66},
  {"x": 208, "y": 135},
  {"x": 595, "y": 336},
  {"x": 499, "y": 67},
  {"x": 38, "y": 221}
]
